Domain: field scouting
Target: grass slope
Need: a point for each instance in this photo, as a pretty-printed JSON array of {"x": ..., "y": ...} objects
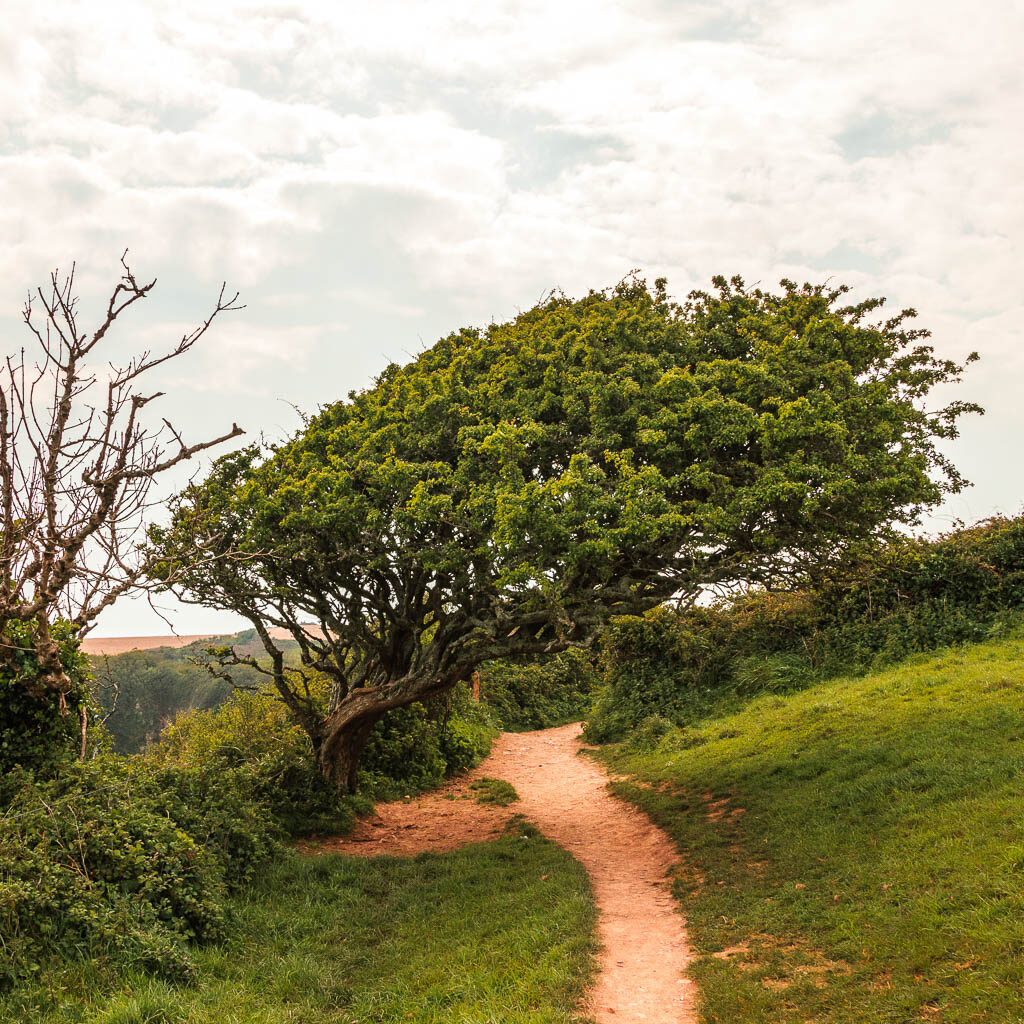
[
  {"x": 496, "y": 932},
  {"x": 855, "y": 851}
]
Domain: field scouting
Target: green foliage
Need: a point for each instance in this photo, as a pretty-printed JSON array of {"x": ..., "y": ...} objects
[
  {"x": 420, "y": 745},
  {"x": 151, "y": 687},
  {"x": 118, "y": 861},
  {"x": 404, "y": 749},
  {"x": 649, "y": 732},
  {"x": 900, "y": 598},
  {"x": 128, "y": 861},
  {"x": 253, "y": 731},
  {"x": 856, "y": 847},
  {"x": 494, "y": 791},
  {"x": 511, "y": 488},
  {"x": 657, "y": 664},
  {"x": 539, "y": 692},
  {"x": 500, "y": 931},
  {"x": 411, "y": 748},
  {"x": 37, "y": 732},
  {"x": 918, "y": 594},
  {"x": 465, "y": 740}
]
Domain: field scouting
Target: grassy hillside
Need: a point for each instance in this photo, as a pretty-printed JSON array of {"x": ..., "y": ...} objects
[
  {"x": 855, "y": 851},
  {"x": 499, "y": 931}
]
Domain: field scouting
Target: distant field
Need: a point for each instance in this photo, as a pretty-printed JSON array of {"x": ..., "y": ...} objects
[{"x": 120, "y": 644}]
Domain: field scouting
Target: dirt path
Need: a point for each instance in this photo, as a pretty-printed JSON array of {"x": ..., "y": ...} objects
[{"x": 628, "y": 858}]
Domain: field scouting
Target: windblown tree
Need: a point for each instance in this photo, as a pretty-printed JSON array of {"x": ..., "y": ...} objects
[
  {"x": 513, "y": 487},
  {"x": 79, "y": 456}
]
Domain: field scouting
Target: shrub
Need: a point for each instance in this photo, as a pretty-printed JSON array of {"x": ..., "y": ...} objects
[
  {"x": 140, "y": 692},
  {"x": 907, "y": 596},
  {"x": 403, "y": 748},
  {"x": 416, "y": 747},
  {"x": 465, "y": 729},
  {"x": 115, "y": 860},
  {"x": 659, "y": 664},
  {"x": 539, "y": 693},
  {"x": 411, "y": 748},
  {"x": 252, "y": 732},
  {"x": 128, "y": 860},
  {"x": 36, "y": 732},
  {"x": 649, "y": 732},
  {"x": 915, "y": 595}
]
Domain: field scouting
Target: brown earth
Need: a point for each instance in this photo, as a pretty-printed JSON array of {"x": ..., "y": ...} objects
[{"x": 645, "y": 949}]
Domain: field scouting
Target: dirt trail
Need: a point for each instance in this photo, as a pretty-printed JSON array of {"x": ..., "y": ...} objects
[{"x": 627, "y": 857}]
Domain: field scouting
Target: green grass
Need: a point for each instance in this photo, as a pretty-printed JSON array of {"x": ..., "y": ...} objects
[
  {"x": 496, "y": 932},
  {"x": 494, "y": 791},
  {"x": 861, "y": 843}
]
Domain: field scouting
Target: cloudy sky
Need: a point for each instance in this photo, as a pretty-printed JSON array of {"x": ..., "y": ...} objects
[{"x": 373, "y": 176}]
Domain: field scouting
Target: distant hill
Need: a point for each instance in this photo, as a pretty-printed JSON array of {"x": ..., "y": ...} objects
[{"x": 100, "y": 645}]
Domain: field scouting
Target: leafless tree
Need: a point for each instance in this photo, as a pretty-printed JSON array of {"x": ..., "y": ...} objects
[{"x": 78, "y": 460}]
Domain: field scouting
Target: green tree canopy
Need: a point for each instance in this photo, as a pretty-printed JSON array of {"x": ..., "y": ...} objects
[{"x": 513, "y": 487}]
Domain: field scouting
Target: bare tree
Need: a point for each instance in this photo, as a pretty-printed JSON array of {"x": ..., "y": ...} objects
[{"x": 78, "y": 460}]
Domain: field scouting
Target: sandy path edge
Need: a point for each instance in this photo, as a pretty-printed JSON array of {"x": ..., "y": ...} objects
[{"x": 645, "y": 949}]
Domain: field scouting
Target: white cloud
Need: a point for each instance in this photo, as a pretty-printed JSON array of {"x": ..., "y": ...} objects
[{"x": 373, "y": 175}]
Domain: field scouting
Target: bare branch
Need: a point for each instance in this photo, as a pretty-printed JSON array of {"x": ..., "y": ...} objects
[{"x": 75, "y": 475}]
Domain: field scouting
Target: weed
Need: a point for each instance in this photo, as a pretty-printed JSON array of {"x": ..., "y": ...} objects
[{"x": 494, "y": 791}]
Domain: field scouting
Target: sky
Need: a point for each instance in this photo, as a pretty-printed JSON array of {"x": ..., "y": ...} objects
[{"x": 371, "y": 177}]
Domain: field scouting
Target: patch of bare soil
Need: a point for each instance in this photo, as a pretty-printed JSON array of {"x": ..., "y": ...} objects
[
  {"x": 440, "y": 822},
  {"x": 645, "y": 949}
]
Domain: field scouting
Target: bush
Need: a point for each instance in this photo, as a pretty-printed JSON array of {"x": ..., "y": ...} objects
[
  {"x": 141, "y": 692},
  {"x": 118, "y": 860},
  {"x": 36, "y": 732},
  {"x": 539, "y": 693},
  {"x": 907, "y": 596},
  {"x": 411, "y": 748},
  {"x": 661, "y": 664},
  {"x": 416, "y": 747},
  {"x": 916, "y": 595},
  {"x": 465, "y": 729},
  {"x": 649, "y": 733},
  {"x": 403, "y": 748},
  {"x": 252, "y": 732},
  {"x": 127, "y": 861}
]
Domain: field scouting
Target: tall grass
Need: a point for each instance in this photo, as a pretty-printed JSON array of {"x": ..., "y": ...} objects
[{"x": 496, "y": 932}]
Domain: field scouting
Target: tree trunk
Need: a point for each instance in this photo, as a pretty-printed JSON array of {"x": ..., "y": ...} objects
[{"x": 339, "y": 755}]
